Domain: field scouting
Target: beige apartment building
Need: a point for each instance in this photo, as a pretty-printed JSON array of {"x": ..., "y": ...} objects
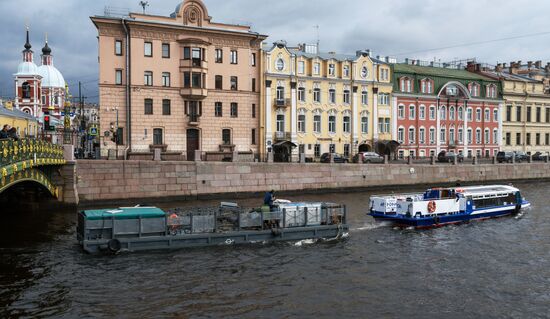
[{"x": 181, "y": 83}]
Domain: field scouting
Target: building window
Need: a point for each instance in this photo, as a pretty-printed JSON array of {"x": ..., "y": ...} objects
[
  {"x": 422, "y": 135},
  {"x": 148, "y": 106},
  {"x": 280, "y": 65},
  {"x": 528, "y": 138},
  {"x": 460, "y": 114},
  {"x": 478, "y": 136},
  {"x": 26, "y": 90},
  {"x": 166, "y": 50},
  {"x": 234, "y": 57},
  {"x": 316, "y": 68},
  {"x": 253, "y": 111},
  {"x": 234, "y": 110},
  {"x": 383, "y": 99},
  {"x": 218, "y": 56},
  {"x": 474, "y": 89},
  {"x": 332, "y": 124},
  {"x": 406, "y": 85},
  {"x": 332, "y": 96},
  {"x": 401, "y": 135},
  {"x": 470, "y": 114},
  {"x": 301, "y": 67},
  {"x": 234, "y": 83},
  {"x": 537, "y": 138},
  {"x": 253, "y": 85},
  {"x": 346, "y": 150},
  {"x": 460, "y": 137},
  {"x": 345, "y": 71},
  {"x": 280, "y": 93},
  {"x": 253, "y": 59},
  {"x": 509, "y": 113},
  {"x": 412, "y": 112},
  {"x": 157, "y": 136},
  {"x": 364, "y": 125},
  {"x": 432, "y": 135},
  {"x": 487, "y": 115},
  {"x": 347, "y": 124},
  {"x": 452, "y": 113},
  {"x": 226, "y": 136},
  {"x": 548, "y": 115},
  {"x": 401, "y": 111},
  {"x": 432, "y": 112},
  {"x": 148, "y": 49},
  {"x": 165, "y": 79},
  {"x": 508, "y": 138},
  {"x": 443, "y": 135},
  {"x": 253, "y": 137},
  {"x": 218, "y": 82},
  {"x": 196, "y": 80},
  {"x": 518, "y": 138},
  {"x": 452, "y": 135},
  {"x": 443, "y": 113},
  {"x": 422, "y": 112},
  {"x": 495, "y": 115},
  {"x": 301, "y": 123},
  {"x": 166, "y": 107},
  {"x": 317, "y": 95},
  {"x": 301, "y": 94},
  {"x": 384, "y": 74},
  {"x": 118, "y": 77},
  {"x": 280, "y": 123},
  {"x": 547, "y": 139},
  {"x": 538, "y": 115},
  {"x": 365, "y": 97},
  {"x": 346, "y": 97},
  {"x": 487, "y": 137},
  {"x": 518, "y": 113},
  {"x": 186, "y": 53},
  {"x": 528, "y": 114},
  {"x": 331, "y": 69},
  {"x": 118, "y": 47},
  {"x": 218, "y": 109},
  {"x": 317, "y": 150},
  {"x": 148, "y": 78},
  {"x": 317, "y": 123},
  {"x": 411, "y": 135},
  {"x": 470, "y": 136}
]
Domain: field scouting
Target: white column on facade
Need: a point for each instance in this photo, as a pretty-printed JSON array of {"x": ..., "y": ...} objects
[
  {"x": 268, "y": 114},
  {"x": 355, "y": 122},
  {"x": 293, "y": 120},
  {"x": 375, "y": 132},
  {"x": 394, "y": 119},
  {"x": 500, "y": 133},
  {"x": 465, "y": 131},
  {"x": 437, "y": 130}
]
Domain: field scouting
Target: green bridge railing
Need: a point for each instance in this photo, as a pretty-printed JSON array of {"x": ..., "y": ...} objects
[{"x": 19, "y": 160}]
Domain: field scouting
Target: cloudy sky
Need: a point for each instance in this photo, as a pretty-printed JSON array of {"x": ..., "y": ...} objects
[{"x": 424, "y": 29}]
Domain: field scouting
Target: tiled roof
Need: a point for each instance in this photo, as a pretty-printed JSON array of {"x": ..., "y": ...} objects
[
  {"x": 16, "y": 113},
  {"x": 437, "y": 71}
]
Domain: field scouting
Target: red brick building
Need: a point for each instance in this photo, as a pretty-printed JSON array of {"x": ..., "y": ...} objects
[{"x": 445, "y": 109}]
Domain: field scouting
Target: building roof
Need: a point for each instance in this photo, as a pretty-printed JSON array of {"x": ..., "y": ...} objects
[
  {"x": 51, "y": 77},
  {"x": 438, "y": 71},
  {"x": 27, "y": 68},
  {"x": 508, "y": 76},
  {"x": 16, "y": 113}
]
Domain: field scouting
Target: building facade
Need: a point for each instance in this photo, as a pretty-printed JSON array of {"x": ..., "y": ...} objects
[
  {"x": 27, "y": 125},
  {"x": 526, "y": 117},
  {"x": 182, "y": 83},
  {"x": 438, "y": 108},
  {"x": 315, "y": 103}
]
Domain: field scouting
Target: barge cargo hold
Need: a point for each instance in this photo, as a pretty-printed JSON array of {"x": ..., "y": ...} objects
[
  {"x": 150, "y": 228},
  {"x": 441, "y": 206}
]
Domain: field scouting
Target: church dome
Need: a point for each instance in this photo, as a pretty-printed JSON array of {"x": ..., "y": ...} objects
[
  {"x": 51, "y": 77},
  {"x": 27, "y": 68}
]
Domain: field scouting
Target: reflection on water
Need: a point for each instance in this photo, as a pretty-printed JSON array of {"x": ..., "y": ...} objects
[{"x": 492, "y": 269}]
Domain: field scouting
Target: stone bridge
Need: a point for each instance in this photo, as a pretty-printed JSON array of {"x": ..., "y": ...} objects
[{"x": 39, "y": 162}]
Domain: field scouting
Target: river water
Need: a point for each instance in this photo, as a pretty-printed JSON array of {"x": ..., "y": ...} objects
[{"x": 497, "y": 268}]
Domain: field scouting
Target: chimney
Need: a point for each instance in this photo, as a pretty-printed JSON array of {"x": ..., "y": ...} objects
[
  {"x": 471, "y": 66},
  {"x": 504, "y": 65},
  {"x": 514, "y": 67},
  {"x": 529, "y": 64},
  {"x": 538, "y": 64},
  {"x": 498, "y": 68}
]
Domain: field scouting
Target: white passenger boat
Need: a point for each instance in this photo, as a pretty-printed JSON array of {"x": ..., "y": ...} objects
[{"x": 441, "y": 206}]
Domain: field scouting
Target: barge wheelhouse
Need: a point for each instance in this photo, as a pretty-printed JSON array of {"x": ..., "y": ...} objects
[{"x": 440, "y": 206}]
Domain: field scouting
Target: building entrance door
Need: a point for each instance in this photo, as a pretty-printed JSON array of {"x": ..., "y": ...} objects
[{"x": 193, "y": 143}]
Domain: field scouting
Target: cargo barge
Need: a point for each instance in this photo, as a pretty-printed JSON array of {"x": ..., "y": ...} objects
[{"x": 150, "y": 228}]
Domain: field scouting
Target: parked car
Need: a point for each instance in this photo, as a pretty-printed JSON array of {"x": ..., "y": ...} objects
[
  {"x": 538, "y": 156},
  {"x": 508, "y": 157},
  {"x": 368, "y": 157},
  {"x": 448, "y": 157},
  {"x": 338, "y": 158}
]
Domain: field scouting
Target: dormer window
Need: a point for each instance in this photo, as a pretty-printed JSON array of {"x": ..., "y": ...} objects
[
  {"x": 346, "y": 71},
  {"x": 474, "y": 89},
  {"x": 491, "y": 91},
  {"x": 331, "y": 69},
  {"x": 405, "y": 85},
  {"x": 426, "y": 86},
  {"x": 316, "y": 68}
]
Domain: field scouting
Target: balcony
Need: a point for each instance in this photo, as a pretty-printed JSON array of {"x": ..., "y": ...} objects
[
  {"x": 282, "y": 103},
  {"x": 282, "y": 136},
  {"x": 194, "y": 92},
  {"x": 195, "y": 64},
  {"x": 194, "y": 119}
]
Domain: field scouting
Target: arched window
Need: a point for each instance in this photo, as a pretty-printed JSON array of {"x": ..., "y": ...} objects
[
  {"x": 452, "y": 113},
  {"x": 487, "y": 115},
  {"x": 443, "y": 135},
  {"x": 422, "y": 135},
  {"x": 317, "y": 123},
  {"x": 347, "y": 124},
  {"x": 302, "y": 123},
  {"x": 478, "y": 136},
  {"x": 487, "y": 137},
  {"x": 411, "y": 135},
  {"x": 364, "y": 125},
  {"x": 495, "y": 115},
  {"x": 461, "y": 113},
  {"x": 422, "y": 112},
  {"x": 470, "y": 114},
  {"x": 443, "y": 113},
  {"x": 495, "y": 136},
  {"x": 478, "y": 114},
  {"x": 401, "y": 135},
  {"x": 26, "y": 90},
  {"x": 412, "y": 113},
  {"x": 332, "y": 124},
  {"x": 470, "y": 136}
]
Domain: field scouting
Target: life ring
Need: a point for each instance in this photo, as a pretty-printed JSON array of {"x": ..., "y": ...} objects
[
  {"x": 431, "y": 206},
  {"x": 114, "y": 245}
]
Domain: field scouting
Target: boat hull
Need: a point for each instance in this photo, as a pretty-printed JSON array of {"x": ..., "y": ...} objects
[
  {"x": 442, "y": 220},
  {"x": 214, "y": 239}
]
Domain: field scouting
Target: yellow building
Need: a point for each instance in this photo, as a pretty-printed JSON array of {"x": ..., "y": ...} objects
[
  {"x": 26, "y": 124},
  {"x": 315, "y": 103}
]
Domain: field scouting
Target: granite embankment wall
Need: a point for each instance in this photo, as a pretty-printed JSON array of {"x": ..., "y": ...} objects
[{"x": 118, "y": 180}]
